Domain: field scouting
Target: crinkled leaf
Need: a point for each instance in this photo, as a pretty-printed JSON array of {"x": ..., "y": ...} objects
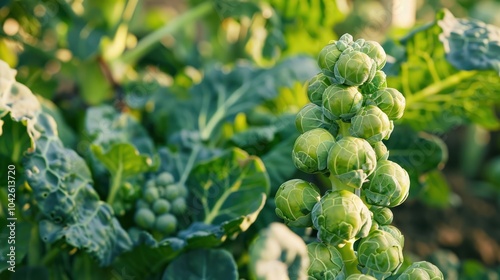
[
  {"x": 203, "y": 264},
  {"x": 62, "y": 188},
  {"x": 439, "y": 95},
  {"x": 231, "y": 186}
]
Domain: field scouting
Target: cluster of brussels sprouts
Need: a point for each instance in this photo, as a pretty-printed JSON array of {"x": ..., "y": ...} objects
[
  {"x": 162, "y": 200},
  {"x": 351, "y": 111}
]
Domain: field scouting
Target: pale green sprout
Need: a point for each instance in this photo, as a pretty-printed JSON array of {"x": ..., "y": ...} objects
[
  {"x": 351, "y": 160},
  {"x": 310, "y": 151},
  {"x": 421, "y": 271},
  {"x": 388, "y": 186},
  {"x": 380, "y": 150},
  {"x": 375, "y": 51},
  {"x": 377, "y": 83},
  {"x": 311, "y": 116},
  {"x": 395, "y": 232},
  {"x": 354, "y": 68},
  {"x": 390, "y": 101},
  {"x": 379, "y": 254},
  {"x": 316, "y": 86},
  {"x": 328, "y": 57},
  {"x": 360, "y": 277},
  {"x": 340, "y": 217},
  {"x": 294, "y": 201},
  {"x": 341, "y": 102},
  {"x": 325, "y": 261},
  {"x": 344, "y": 42},
  {"x": 382, "y": 215},
  {"x": 372, "y": 124}
]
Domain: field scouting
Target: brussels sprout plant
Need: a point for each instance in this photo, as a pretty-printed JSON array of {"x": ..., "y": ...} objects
[{"x": 351, "y": 111}]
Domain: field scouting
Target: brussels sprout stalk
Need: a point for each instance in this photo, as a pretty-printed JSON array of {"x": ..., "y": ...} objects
[
  {"x": 338, "y": 185},
  {"x": 349, "y": 257},
  {"x": 344, "y": 128}
]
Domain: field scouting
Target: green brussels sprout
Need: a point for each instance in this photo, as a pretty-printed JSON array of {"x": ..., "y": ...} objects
[
  {"x": 351, "y": 160},
  {"x": 372, "y": 124},
  {"x": 395, "y": 232},
  {"x": 344, "y": 42},
  {"x": 390, "y": 101},
  {"x": 375, "y": 51},
  {"x": 325, "y": 261},
  {"x": 164, "y": 179},
  {"x": 310, "y": 150},
  {"x": 354, "y": 68},
  {"x": 421, "y": 270},
  {"x": 379, "y": 254},
  {"x": 377, "y": 83},
  {"x": 172, "y": 192},
  {"x": 382, "y": 215},
  {"x": 144, "y": 218},
  {"x": 141, "y": 204},
  {"x": 294, "y": 201},
  {"x": 447, "y": 261},
  {"x": 151, "y": 194},
  {"x": 341, "y": 102},
  {"x": 161, "y": 206},
  {"x": 316, "y": 86},
  {"x": 380, "y": 150},
  {"x": 388, "y": 186},
  {"x": 341, "y": 216},
  {"x": 150, "y": 184},
  {"x": 327, "y": 59},
  {"x": 166, "y": 223},
  {"x": 183, "y": 191},
  {"x": 179, "y": 206},
  {"x": 360, "y": 277},
  {"x": 311, "y": 117}
]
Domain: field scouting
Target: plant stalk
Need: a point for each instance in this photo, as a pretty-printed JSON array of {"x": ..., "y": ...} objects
[
  {"x": 349, "y": 258},
  {"x": 344, "y": 128},
  {"x": 338, "y": 185},
  {"x": 115, "y": 185}
]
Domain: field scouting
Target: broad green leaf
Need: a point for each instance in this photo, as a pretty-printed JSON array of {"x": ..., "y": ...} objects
[
  {"x": 65, "y": 132},
  {"x": 62, "y": 187},
  {"x": 93, "y": 84},
  {"x": 439, "y": 95},
  {"x": 14, "y": 141},
  {"x": 436, "y": 192},
  {"x": 228, "y": 187},
  {"x": 202, "y": 264},
  {"x": 124, "y": 159},
  {"x": 278, "y": 253}
]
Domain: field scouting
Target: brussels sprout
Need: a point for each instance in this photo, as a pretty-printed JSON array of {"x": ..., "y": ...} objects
[
  {"x": 354, "y": 68},
  {"x": 166, "y": 223},
  {"x": 144, "y": 218},
  {"x": 388, "y": 186},
  {"x": 311, "y": 117},
  {"x": 382, "y": 215},
  {"x": 421, "y": 270},
  {"x": 341, "y": 102},
  {"x": 340, "y": 217},
  {"x": 375, "y": 51},
  {"x": 179, "y": 206},
  {"x": 377, "y": 83},
  {"x": 150, "y": 184},
  {"x": 310, "y": 150},
  {"x": 379, "y": 254},
  {"x": 161, "y": 206},
  {"x": 164, "y": 179},
  {"x": 183, "y": 191},
  {"x": 316, "y": 87},
  {"x": 344, "y": 42},
  {"x": 327, "y": 59},
  {"x": 151, "y": 194},
  {"x": 294, "y": 201},
  {"x": 351, "y": 160},
  {"x": 372, "y": 124},
  {"x": 360, "y": 277},
  {"x": 380, "y": 150},
  {"x": 395, "y": 232},
  {"x": 390, "y": 101},
  {"x": 325, "y": 262},
  {"x": 172, "y": 192}
]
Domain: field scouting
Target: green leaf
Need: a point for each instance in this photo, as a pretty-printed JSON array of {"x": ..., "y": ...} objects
[
  {"x": 436, "y": 192},
  {"x": 83, "y": 39},
  {"x": 21, "y": 245},
  {"x": 229, "y": 187},
  {"x": 123, "y": 158},
  {"x": 62, "y": 187},
  {"x": 14, "y": 141},
  {"x": 439, "y": 95},
  {"x": 93, "y": 84},
  {"x": 66, "y": 134},
  {"x": 202, "y": 264}
]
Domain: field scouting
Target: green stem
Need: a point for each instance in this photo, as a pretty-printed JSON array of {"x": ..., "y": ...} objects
[
  {"x": 146, "y": 43},
  {"x": 338, "y": 185},
  {"x": 438, "y": 87},
  {"x": 34, "y": 241},
  {"x": 51, "y": 255},
  {"x": 349, "y": 258},
  {"x": 344, "y": 128},
  {"x": 116, "y": 180}
]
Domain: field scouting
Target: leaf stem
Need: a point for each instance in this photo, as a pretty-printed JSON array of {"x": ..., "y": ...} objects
[
  {"x": 146, "y": 43},
  {"x": 349, "y": 258},
  {"x": 115, "y": 184},
  {"x": 344, "y": 128}
]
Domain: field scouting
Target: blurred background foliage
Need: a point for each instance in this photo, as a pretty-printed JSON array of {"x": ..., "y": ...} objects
[{"x": 79, "y": 53}]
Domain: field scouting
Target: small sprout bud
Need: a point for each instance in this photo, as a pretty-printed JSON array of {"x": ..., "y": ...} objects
[
  {"x": 341, "y": 102},
  {"x": 161, "y": 206},
  {"x": 375, "y": 51},
  {"x": 360, "y": 277},
  {"x": 179, "y": 206},
  {"x": 388, "y": 186},
  {"x": 316, "y": 86},
  {"x": 166, "y": 223},
  {"x": 141, "y": 204},
  {"x": 172, "y": 192},
  {"x": 144, "y": 218},
  {"x": 380, "y": 150},
  {"x": 151, "y": 194},
  {"x": 325, "y": 261},
  {"x": 390, "y": 101},
  {"x": 311, "y": 117},
  {"x": 310, "y": 151},
  {"x": 372, "y": 124},
  {"x": 379, "y": 254},
  {"x": 294, "y": 201},
  {"x": 327, "y": 59},
  {"x": 395, "y": 232},
  {"x": 164, "y": 179},
  {"x": 340, "y": 217},
  {"x": 377, "y": 83},
  {"x": 354, "y": 68},
  {"x": 382, "y": 215},
  {"x": 421, "y": 270}
]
